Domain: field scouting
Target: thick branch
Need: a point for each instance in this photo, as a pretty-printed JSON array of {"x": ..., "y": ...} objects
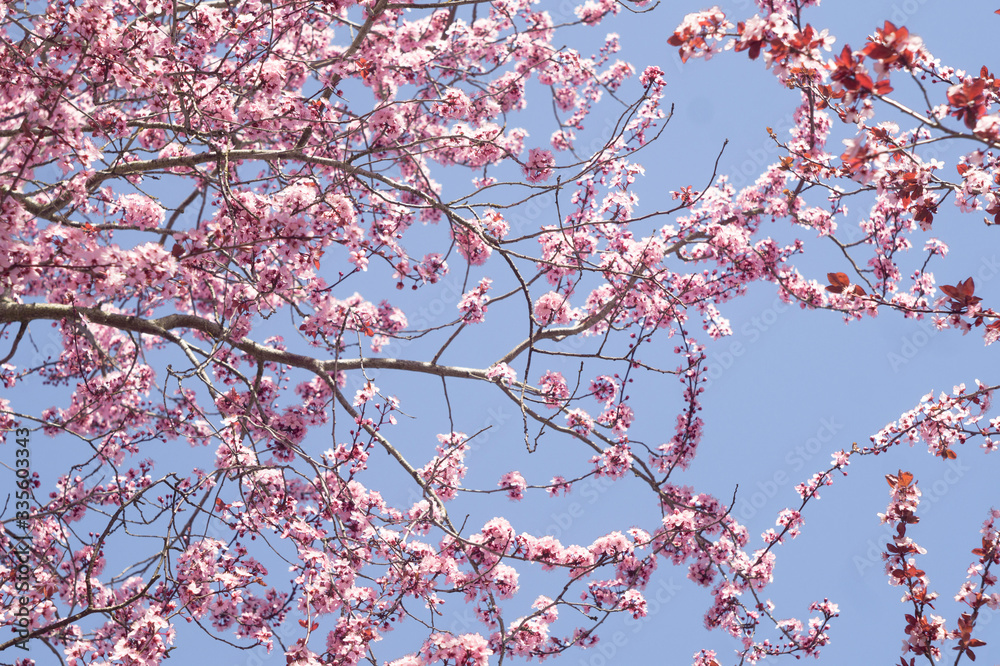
[{"x": 164, "y": 327}]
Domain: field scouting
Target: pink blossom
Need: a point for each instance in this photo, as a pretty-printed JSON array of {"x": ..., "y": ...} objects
[
  {"x": 988, "y": 126},
  {"x": 364, "y": 394},
  {"x": 559, "y": 483},
  {"x": 538, "y": 168},
  {"x": 141, "y": 211},
  {"x": 473, "y": 303},
  {"x": 471, "y": 246},
  {"x": 385, "y": 122},
  {"x": 554, "y": 389},
  {"x": 615, "y": 461},
  {"x": 580, "y": 421},
  {"x": 494, "y": 223},
  {"x": 605, "y": 389},
  {"x": 593, "y": 11},
  {"x": 466, "y": 649},
  {"x": 514, "y": 484},
  {"x": 552, "y": 308},
  {"x": 503, "y": 373},
  {"x": 454, "y": 104}
]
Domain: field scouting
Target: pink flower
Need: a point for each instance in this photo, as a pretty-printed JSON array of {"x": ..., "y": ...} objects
[
  {"x": 935, "y": 246},
  {"x": 432, "y": 268},
  {"x": 633, "y": 601},
  {"x": 652, "y": 74},
  {"x": 473, "y": 303},
  {"x": 454, "y": 104},
  {"x": 6, "y": 420},
  {"x": 705, "y": 658},
  {"x": 559, "y": 483},
  {"x": 615, "y": 461},
  {"x": 553, "y": 388},
  {"x": 386, "y": 123},
  {"x": 538, "y": 168},
  {"x": 272, "y": 73},
  {"x": 562, "y": 139},
  {"x": 494, "y": 223},
  {"x": 169, "y": 151},
  {"x": 471, "y": 246},
  {"x": 514, "y": 484},
  {"x": 580, "y": 421},
  {"x": 365, "y": 394},
  {"x": 988, "y": 126},
  {"x": 592, "y": 12},
  {"x": 502, "y": 372},
  {"x": 466, "y": 649},
  {"x": 141, "y": 211},
  {"x": 605, "y": 389},
  {"x": 552, "y": 308}
]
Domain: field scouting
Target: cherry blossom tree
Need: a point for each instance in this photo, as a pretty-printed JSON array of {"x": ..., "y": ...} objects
[{"x": 278, "y": 250}]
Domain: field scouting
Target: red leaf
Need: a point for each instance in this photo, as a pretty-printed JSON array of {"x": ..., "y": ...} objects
[
  {"x": 962, "y": 295},
  {"x": 985, "y": 551},
  {"x": 882, "y": 87},
  {"x": 839, "y": 279},
  {"x": 902, "y": 481},
  {"x": 839, "y": 282},
  {"x": 878, "y": 51},
  {"x": 924, "y": 216}
]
